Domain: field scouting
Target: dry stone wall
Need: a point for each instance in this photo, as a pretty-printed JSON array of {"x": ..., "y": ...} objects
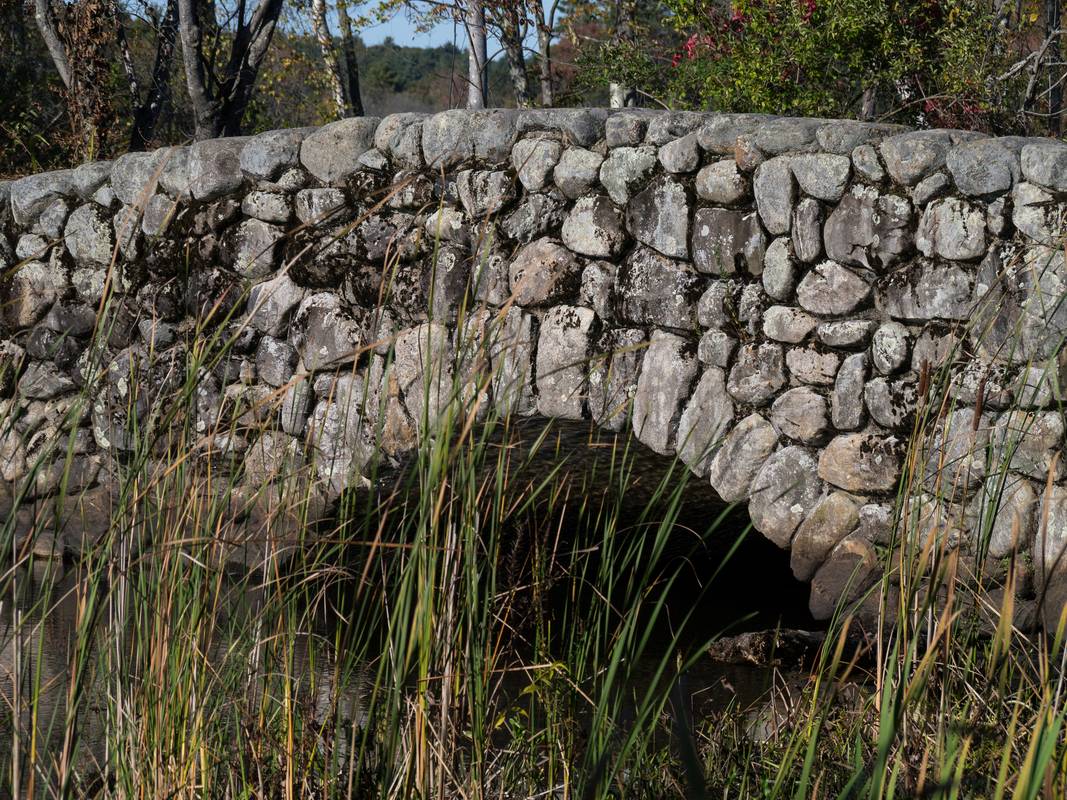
[{"x": 771, "y": 299}]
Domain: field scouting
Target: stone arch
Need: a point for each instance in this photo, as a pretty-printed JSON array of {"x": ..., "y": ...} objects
[{"x": 770, "y": 298}]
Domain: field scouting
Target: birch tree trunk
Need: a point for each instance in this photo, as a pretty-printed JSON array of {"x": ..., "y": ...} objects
[
  {"x": 474, "y": 21},
  {"x": 329, "y": 58}
]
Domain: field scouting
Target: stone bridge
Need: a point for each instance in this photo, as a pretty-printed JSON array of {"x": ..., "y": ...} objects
[{"x": 839, "y": 324}]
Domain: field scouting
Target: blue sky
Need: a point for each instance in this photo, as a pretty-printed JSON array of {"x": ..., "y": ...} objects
[{"x": 404, "y": 33}]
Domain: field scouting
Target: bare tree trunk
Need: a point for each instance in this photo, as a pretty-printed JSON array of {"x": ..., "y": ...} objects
[
  {"x": 146, "y": 113},
  {"x": 867, "y": 104},
  {"x": 325, "y": 40},
  {"x": 474, "y": 21},
  {"x": 544, "y": 49},
  {"x": 353, "y": 93},
  {"x": 219, "y": 102},
  {"x": 1055, "y": 95},
  {"x": 46, "y": 24},
  {"x": 620, "y": 96},
  {"x": 511, "y": 41}
]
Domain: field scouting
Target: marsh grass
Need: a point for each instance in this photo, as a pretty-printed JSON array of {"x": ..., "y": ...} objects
[{"x": 471, "y": 623}]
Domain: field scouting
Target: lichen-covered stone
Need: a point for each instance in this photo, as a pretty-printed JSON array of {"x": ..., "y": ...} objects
[
  {"x": 1045, "y": 163},
  {"x": 577, "y": 171},
  {"x": 1031, "y": 443},
  {"x": 270, "y": 303},
  {"x": 726, "y": 242},
  {"x": 705, "y": 421},
  {"x": 655, "y": 290},
  {"x": 869, "y": 229},
  {"x": 780, "y": 270},
  {"x": 787, "y": 324},
  {"x": 783, "y": 493},
  {"x": 562, "y": 349},
  {"x": 889, "y": 347},
  {"x": 891, "y": 403},
  {"x": 214, "y": 167},
  {"x": 534, "y": 160},
  {"x": 543, "y": 272},
  {"x": 802, "y": 415},
  {"x": 659, "y": 217},
  {"x": 912, "y": 156},
  {"x": 822, "y": 175},
  {"x": 594, "y": 228},
  {"x": 332, "y": 152},
  {"x": 983, "y": 167},
  {"x": 952, "y": 229},
  {"x": 681, "y": 155},
  {"x": 831, "y": 290},
  {"x": 807, "y": 230},
  {"x": 613, "y": 376},
  {"x": 858, "y": 462},
  {"x": 625, "y": 171},
  {"x": 757, "y": 374},
  {"x": 813, "y": 365},
  {"x": 88, "y": 236},
  {"x": 257, "y": 248},
  {"x": 775, "y": 191},
  {"x": 267, "y": 155},
  {"x": 668, "y": 370},
  {"x": 928, "y": 290},
  {"x": 721, "y": 183},
  {"x": 742, "y": 454}
]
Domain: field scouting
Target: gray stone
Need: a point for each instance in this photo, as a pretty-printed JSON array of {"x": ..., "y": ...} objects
[
  {"x": 33, "y": 289},
  {"x": 1036, "y": 214},
  {"x": 983, "y": 167},
  {"x": 613, "y": 376},
  {"x": 88, "y": 236},
  {"x": 562, "y": 349},
  {"x": 399, "y": 136},
  {"x": 929, "y": 189},
  {"x": 719, "y": 133},
  {"x": 757, "y": 374},
  {"x": 742, "y": 454},
  {"x": 681, "y": 155},
  {"x": 846, "y": 401},
  {"x": 842, "y": 136},
  {"x": 862, "y": 463},
  {"x": 87, "y": 178},
  {"x": 780, "y": 270},
  {"x": 659, "y": 217},
  {"x": 484, "y": 192},
  {"x": 912, "y": 156},
  {"x": 668, "y": 370},
  {"x": 787, "y": 324},
  {"x": 1050, "y": 546},
  {"x": 844, "y": 578},
  {"x": 891, "y": 403},
  {"x": 534, "y": 160},
  {"x": 953, "y": 229},
  {"x": 448, "y": 224},
  {"x": 1031, "y": 442},
  {"x": 722, "y": 183},
  {"x": 32, "y": 247},
  {"x": 50, "y": 222},
  {"x": 821, "y": 175},
  {"x": 336, "y": 432},
  {"x": 512, "y": 349},
  {"x": 786, "y": 134},
  {"x": 43, "y": 381},
  {"x": 726, "y": 242},
  {"x": 626, "y": 127},
  {"x": 929, "y": 291},
  {"x": 955, "y": 458},
  {"x": 174, "y": 177},
  {"x": 598, "y": 288},
  {"x": 155, "y": 334},
  {"x": 332, "y": 152},
  {"x": 135, "y": 176},
  {"x": 267, "y": 155},
  {"x": 847, "y": 333},
  {"x": 159, "y": 212},
  {"x": 715, "y": 348},
  {"x": 446, "y": 139},
  {"x": 1013, "y": 503},
  {"x": 423, "y": 371},
  {"x": 267, "y": 206},
  {"x": 664, "y": 128},
  {"x": 577, "y": 171},
  {"x": 889, "y": 348},
  {"x": 447, "y": 283},
  {"x": 831, "y": 290},
  {"x": 32, "y": 195},
  {"x": 869, "y": 229},
  {"x": 215, "y": 167},
  {"x": 535, "y": 215},
  {"x": 1045, "y": 163},
  {"x": 835, "y": 516},
  {"x": 775, "y": 190},
  {"x": 257, "y": 248},
  {"x": 705, "y": 421},
  {"x": 783, "y": 493},
  {"x": 296, "y": 406},
  {"x": 318, "y": 206},
  {"x": 270, "y": 303},
  {"x": 811, "y": 365},
  {"x": 276, "y": 361},
  {"x": 997, "y": 217},
  {"x": 655, "y": 290},
  {"x": 867, "y": 164},
  {"x": 807, "y": 230},
  {"x": 580, "y": 126},
  {"x": 544, "y": 272},
  {"x": 716, "y": 306},
  {"x": 328, "y": 337},
  {"x": 1040, "y": 386},
  {"x": 594, "y": 228},
  {"x": 750, "y": 306},
  {"x": 625, "y": 171},
  {"x": 802, "y": 415}
]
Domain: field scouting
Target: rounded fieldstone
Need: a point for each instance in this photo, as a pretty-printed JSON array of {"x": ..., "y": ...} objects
[
  {"x": 543, "y": 272},
  {"x": 832, "y": 290},
  {"x": 783, "y": 493},
  {"x": 577, "y": 170},
  {"x": 757, "y": 374},
  {"x": 889, "y": 347},
  {"x": 594, "y": 228},
  {"x": 779, "y": 269},
  {"x": 743, "y": 452},
  {"x": 722, "y": 183},
  {"x": 659, "y": 217},
  {"x": 801, "y": 414}
]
